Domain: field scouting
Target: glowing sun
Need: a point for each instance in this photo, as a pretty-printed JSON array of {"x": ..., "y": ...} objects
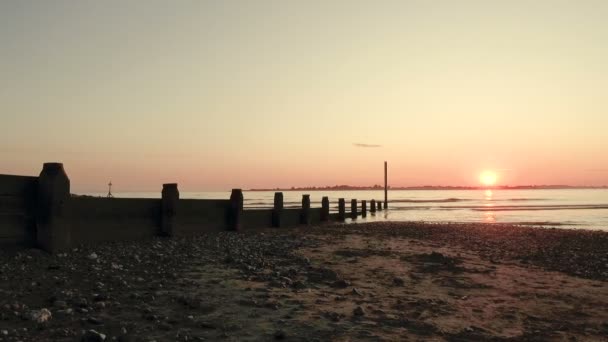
[{"x": 488, "y": 178}]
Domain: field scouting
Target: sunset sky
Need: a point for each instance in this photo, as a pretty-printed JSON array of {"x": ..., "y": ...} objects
[{"x": 222, "y": 94}]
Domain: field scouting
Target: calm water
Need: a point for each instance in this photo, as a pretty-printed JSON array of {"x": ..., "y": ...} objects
[{"x": 573, "y": 208}]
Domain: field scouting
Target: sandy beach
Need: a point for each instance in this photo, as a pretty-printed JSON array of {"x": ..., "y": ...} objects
[{"x": 372, "y": 282}]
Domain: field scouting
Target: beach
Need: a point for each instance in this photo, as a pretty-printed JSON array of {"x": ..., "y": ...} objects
[{"x": 382, "y": 281}]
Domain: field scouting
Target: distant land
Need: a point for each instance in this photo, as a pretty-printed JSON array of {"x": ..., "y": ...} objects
[{"x": 431, "y": 187}]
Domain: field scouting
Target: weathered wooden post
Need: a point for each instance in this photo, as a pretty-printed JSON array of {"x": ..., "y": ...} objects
[
  {"x": 235, "y": 209},
  {"x": 53, "y": 232},
  {"x": 278, "y": 209},
  {"x": 353, "y": 208},
  {"x": 379, "y": 205},
  {"x": 341, "y": 209},
  {"x": 363, "y": 208},
  {"x": 325, "y": 209},
  {"x": 305, "y": 214},
  {"x": 168, "y": 204},
  {"x": 372, "y": 206}
]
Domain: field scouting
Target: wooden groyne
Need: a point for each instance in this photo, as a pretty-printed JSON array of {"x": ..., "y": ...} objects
[{"x": 42, "y": 212}]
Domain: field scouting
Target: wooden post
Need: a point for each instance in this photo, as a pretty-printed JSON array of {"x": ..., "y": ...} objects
[
  {"x": 379, "y": 205},
  {"x": 235, "y": 209},
  {"x": 325, "y": 209},
  {"x": 363, "y": 208},
  {"x": 305, "y": 215},
  {"x": 341, "y": 210},
  {"x": 277, "y": 210},
  {"x": 372, "y": 206},
  {"x": 385, "y": 185},
  {"x": 169, "y": 200},
  {"x": 353, "y": 208},
  {"x": 53, "y": 232}
]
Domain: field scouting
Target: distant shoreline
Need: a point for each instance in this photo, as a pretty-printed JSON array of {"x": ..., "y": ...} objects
[{"x": 430, "y": 187}]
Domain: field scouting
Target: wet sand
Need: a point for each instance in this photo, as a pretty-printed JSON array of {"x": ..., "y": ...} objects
[{"x": 375, "y": 282}]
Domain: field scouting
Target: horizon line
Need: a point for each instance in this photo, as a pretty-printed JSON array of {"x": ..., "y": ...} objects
[{"x": 417, "y": 187}]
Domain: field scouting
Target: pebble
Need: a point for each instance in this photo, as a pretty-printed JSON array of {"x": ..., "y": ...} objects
[
  {"x": 94, "y": 320},
  {"x": 280, "y": 335},
  {"x": 40, "y": 316},
  {"x": 398, "y": 281},
  {"x": 60, "y": 304},
  {"x": 93, "y": 336},
  {"x": 341, "y": 283},
  {"x": 68, "y": 311},
  {"x": 358, "y": 311}
]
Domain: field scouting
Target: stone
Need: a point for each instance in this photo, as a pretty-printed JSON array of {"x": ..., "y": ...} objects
[
  {"x": 60, "y": 304},
  {"x": 398, "y": 281},
  {"x": 341, "y": 284},
  {"x": 66, "y": 312},
  {"x": 358, "y": 311},
  {"x": 125, "y": 338},
  {"x": 93, "y": 336},
  {"x": 92, "y": 256},
  {"x": 333, "y": 316},
  {"x": 279, "y": 335},
  {"x": 299, "y": 285},
  {"x": 207, "y": 325},
  {"x": 40, "y": 316},
  {"x": 99, "y": 297},
  {"x": 94, "y": 320},
  {"x": 165, "y": 326}
]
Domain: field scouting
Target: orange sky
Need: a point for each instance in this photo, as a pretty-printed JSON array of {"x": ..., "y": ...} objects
[{"x": 216, "y": 95}]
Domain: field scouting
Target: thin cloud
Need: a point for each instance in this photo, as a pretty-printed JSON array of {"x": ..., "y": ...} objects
[{"x": 366, "y": 145}]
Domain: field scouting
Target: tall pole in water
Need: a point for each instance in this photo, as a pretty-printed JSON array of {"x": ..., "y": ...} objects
[{"x": 385, "y": 185}]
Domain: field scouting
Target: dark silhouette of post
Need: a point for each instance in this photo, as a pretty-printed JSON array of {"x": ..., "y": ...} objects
[
  {"x": 353, "y": 208},
  {"x": 305, "y": 214},
  {"x": 372, "y": 206},
  {"x": 341, "y": 209},
  {"x": 325, "y": 209},
  {"x": 169, "y": 200},
  {"x": 379, "y": 205},
  {"x": 385, "y": 185},
  {"x": 278, "y": 209},
  {"x": 235, "y": 209},
  {"x": 53, "y": 231},
  {"x": 363, "y": 208}
]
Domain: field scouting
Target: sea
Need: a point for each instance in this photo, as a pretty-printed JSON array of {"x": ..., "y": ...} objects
[{"x": 561, "y": 208}]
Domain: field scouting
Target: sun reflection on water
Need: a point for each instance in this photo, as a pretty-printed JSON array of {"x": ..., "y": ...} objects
[{"x": 489, "y": 216}]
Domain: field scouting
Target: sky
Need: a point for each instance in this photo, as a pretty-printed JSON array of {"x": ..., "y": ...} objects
[{"x": 217, "y": 95}]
